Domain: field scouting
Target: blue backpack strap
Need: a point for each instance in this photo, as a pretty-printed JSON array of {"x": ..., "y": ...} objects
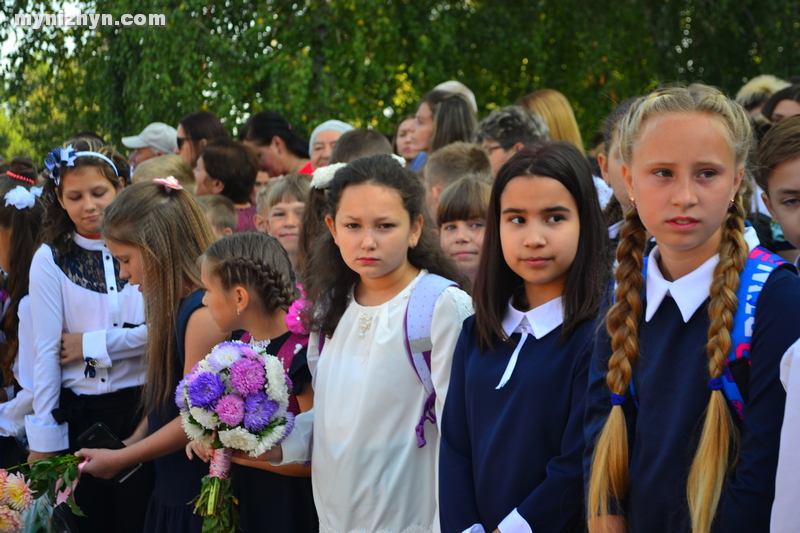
[
  {"x": 760, "y": 264},
  {"x": 419, "y": 316}
]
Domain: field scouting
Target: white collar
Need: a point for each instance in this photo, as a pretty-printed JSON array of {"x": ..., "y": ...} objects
[
  {"x": 690, "y": 291},
  {"x": 540, "y": 320},
  {"x": 613, "y": 229},
  {"x": 88, "y": 244}
]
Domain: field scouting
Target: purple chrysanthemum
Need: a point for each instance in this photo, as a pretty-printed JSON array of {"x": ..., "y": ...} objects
[
  {"x": 204, "y": 389},
  {"x": 230, "y": 409},
  {"x": 247, "y": 351},
  {"x": 180, "y": 399},
  {"x": 247, "y": 376},
  {"x": 258, "y": 410},
  {"x": 289, "y": 426}
]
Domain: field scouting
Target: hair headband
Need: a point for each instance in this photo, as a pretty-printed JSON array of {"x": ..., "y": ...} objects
[
  {"x": 21, "y": 178},
  {"x": 66, "y": 156}
]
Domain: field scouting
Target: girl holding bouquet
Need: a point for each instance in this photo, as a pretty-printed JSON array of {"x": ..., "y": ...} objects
[
  {"x": 374, "y": 460},
  {"x": 157, "y": 232},
  {"x": 250, "y": 286}
]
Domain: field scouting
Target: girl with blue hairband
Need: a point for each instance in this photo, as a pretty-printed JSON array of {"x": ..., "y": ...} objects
[{"x": 89, "y": 332}]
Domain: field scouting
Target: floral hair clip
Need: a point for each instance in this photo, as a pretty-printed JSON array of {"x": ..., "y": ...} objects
[
  {"x": 66, "y": 157},
  {"x": 324, "y": 175},
  {"x": 21, "y": 198},
  {"x": 169, "y": 183},
  {"x": 20, "y": 178},
  {"x": 400, "y": 159}
]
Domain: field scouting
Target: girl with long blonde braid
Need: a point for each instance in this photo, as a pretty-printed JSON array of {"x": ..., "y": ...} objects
[{"x": 685, "y": 406}]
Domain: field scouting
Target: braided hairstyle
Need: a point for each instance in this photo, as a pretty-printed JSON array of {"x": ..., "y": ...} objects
[
  {"x": 257, "y": 262},
  {"x": 716, "y": 449}
]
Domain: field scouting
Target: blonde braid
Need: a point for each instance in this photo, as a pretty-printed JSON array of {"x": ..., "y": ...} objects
[
  {"x": 609, "y": 473},
  {"x": 711, "y": 461}
]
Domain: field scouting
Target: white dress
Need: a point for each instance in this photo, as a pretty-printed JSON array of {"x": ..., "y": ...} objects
[{"x": 368, "y": 473}]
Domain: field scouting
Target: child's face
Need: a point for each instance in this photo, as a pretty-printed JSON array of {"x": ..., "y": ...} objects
[
  {"x": 373, "y": 231},
  {"x": 221, "y": 304},
  {"x": 539, "y": 231},
  {"x": 462, "y": 241},
  {"x": 783, "y": 200},
  {"x": 130, "y": 262},
  {"x": 611, "y": 168},
  {"x": 683, "y": 176},
  {"x": 85, "y": 193},
  {"x": 284, "y": 223},
  {"x": 205, "y": 183}
]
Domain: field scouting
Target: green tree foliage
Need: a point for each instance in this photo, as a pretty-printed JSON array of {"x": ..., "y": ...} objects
[{"x": 369, "y": 61}]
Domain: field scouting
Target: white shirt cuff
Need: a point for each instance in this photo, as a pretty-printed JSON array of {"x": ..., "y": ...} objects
[
  {"x": 94, "y": 347},
  {"x": 297, "y": 445},
  {"x": 476, "y": 528},
  {"x": 514, "y": 523},
  {"x": 46, "y": 438}
]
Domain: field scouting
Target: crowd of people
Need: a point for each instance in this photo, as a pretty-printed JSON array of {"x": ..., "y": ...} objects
[{"x": 491, "y": 326}]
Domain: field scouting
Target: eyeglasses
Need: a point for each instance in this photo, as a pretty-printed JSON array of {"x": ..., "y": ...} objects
[
  {"x": 182, "y": 140},
  {"x": 489, "y": 149}
]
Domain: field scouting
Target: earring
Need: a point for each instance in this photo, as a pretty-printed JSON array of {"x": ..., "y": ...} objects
[
  {"x": 238, "y": 312},
  {"x": 730, "y": 205},
  {"x": 633, "y": 201}
]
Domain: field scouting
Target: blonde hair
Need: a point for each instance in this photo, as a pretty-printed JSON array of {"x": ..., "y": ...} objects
[
  {"x": 609, "y": 472},
  {"x": 164, "y": 166},
  {"x": 171, "y": 232},
  {"x": 287, "y": 187},
  {"x": 557, "y": 112}
]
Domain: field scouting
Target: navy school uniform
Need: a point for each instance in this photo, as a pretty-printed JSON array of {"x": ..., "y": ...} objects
[
  {"x": 513, "y": 455},
  {"x": 671, "y": 380}
]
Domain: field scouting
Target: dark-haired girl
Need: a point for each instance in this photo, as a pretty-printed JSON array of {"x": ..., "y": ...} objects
[
  {"x": 374, "y": 459},
  {"x": 89, "y": 331},
  {"x": 279, "y": 148},
  {"x": 195, "y": 130},
  {"x": 512, "y": 429},
  {"x": 20, "y": 224}
]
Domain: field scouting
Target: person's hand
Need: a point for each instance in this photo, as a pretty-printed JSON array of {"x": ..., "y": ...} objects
[
  {"x": 37, "y": 456},
  {"x": 202, "y": 451},
  {"x": 608, "y": 524},
  {"x": 104, "y": 463},
  {"x": 274, "y": 455},
  {"x": 71, "y": 348}
]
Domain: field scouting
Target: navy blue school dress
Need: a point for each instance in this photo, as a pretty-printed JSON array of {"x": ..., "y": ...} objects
[
  {"x": 671, "y": 381},
  {"x": 514, "y": 454},
  {"x": 270, "y": 502},
  {"x": 177, "y": 478}
]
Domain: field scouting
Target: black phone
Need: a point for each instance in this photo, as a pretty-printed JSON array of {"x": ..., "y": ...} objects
[{"x": 99, "y": 436}]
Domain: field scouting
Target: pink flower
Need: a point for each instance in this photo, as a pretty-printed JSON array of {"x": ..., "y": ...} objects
[
  {"x": 18, "y": 493},
  {"x": 247, "y": 376},
  {"x": 230, "y": 409},
  {"x": 10, "y": 520},
  {"x": 294, "y": 318}
]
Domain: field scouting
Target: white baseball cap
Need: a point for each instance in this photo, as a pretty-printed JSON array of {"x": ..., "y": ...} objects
[{"x": 159, "y": 136}]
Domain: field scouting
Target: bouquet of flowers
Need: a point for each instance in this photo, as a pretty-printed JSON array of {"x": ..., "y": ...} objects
[
  {"x": 234, "y": 399},
  {"x": 16, "y": 497}
]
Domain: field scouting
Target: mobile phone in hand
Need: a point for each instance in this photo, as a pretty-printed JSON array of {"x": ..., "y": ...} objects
[{"x": 99, "y": 436}]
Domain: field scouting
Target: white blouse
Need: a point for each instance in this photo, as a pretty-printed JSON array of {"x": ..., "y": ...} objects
[
  {"x": 81, "y": 293},
  {"x": 12, "y": 412},
  {"x": 368, "y": 473}
]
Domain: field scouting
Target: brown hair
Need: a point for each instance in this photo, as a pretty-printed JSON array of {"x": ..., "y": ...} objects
[
  {"x": 780, "y": 144},
  {"x": 220, "y": 211},
  {"x": 465, "y": 199},
  {"x": 455, "y": 161},
  {"x": 259, "y": 263},
  {"x": 171, "y": 232},
  {"x": 359, "y": 143},
  {"x": 609, "y": 471},
  {"x": 557, "y": 112},
  {"x": 234, "y": 165},
  {"x": 25, "y": 225},
  {"x": 164, "y": 166},
  {"x": 284, "y": 189}
]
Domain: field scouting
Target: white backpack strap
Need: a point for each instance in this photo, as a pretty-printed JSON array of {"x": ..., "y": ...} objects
[{"x": 419, "y": 316}]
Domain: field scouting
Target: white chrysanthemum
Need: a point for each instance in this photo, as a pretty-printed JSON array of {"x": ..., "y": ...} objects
[
  {"x": 222, "y": 357},
  {"x": 276, "y": 387},
  {"x": 324, "y": 175},
  {"x": 194, "y": 432},
  {"x": 204, "y": 366},
  {"x": 238, "y": 438},
  {"x": 269, "y": 441},
  {"x": 207, "y": 419}
]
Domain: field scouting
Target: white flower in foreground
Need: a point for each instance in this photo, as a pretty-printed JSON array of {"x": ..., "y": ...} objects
[
  {"x": 207, "y": 419},
  {"x": 238, "y": 438},
  {"x": 193, "y": 431}
]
